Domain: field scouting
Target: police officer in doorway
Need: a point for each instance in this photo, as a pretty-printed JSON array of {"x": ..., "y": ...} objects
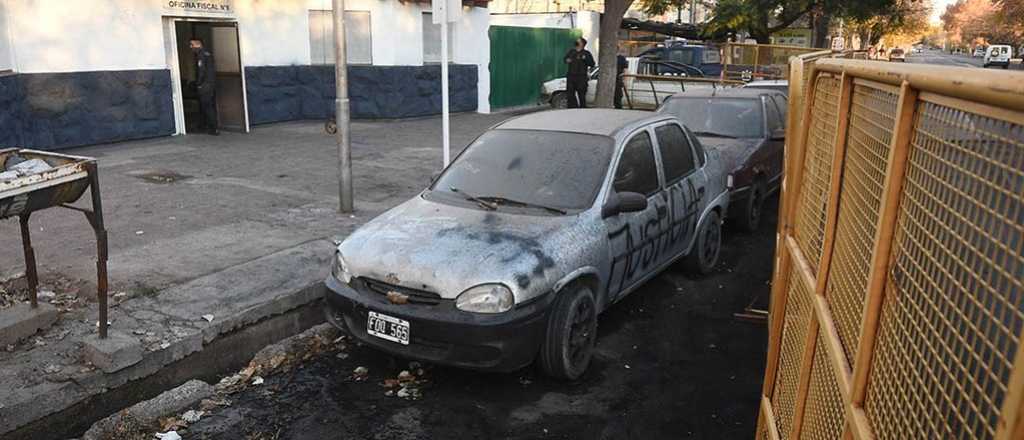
[
  {"x": 206, "y": 86},
  {"x": 579, "y": 61}
]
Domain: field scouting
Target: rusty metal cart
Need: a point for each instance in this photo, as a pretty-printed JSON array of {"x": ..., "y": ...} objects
[{"x": 58, "y": 186}]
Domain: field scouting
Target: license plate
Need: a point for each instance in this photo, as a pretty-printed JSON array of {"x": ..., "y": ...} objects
[{"x": 388, "y": 327}]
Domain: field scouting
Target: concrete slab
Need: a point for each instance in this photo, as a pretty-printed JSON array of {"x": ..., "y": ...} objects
[
  {"x": 115, "y": 353},
  {"x": 22, "y": 321},
  {"x": 149, "y": 411}
]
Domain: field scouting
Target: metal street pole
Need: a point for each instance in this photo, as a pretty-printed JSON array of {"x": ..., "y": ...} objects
[
  {"x": 444, "y": 84},
  {"x": 341, "y": 110}
]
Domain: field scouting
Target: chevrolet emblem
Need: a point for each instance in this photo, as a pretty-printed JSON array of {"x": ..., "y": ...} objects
[{"x": 397, "y": 298}]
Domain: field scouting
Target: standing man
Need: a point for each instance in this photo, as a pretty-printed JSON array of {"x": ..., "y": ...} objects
[
  {"x": 206, "y": 86},
  {"x": 579, "y": 61},
  {"x": 621, "y": 63}
]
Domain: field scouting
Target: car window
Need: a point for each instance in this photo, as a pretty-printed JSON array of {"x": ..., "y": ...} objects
[
  {"x": 637, "y": 170},
  {"x": 698, "y": 148},
  {"x": 718, "y": 116},
  {"x": 783, "y": 108},
  {"x": 549, "y": 168},
  {"x": 774, "y": 119},
  {"x": 684, "y": 56},
  {"x": 676, "y": 155}
]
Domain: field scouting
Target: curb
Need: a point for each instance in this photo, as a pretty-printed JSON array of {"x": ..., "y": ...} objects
[{"x": 258, "y": 302}]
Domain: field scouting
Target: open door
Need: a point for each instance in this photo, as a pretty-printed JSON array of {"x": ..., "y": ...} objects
[{"x": 221, "y": 39}]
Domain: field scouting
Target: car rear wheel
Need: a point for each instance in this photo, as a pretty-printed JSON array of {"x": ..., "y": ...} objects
[
  {"x": 704, "y": 255},
  {"x": 572, "y": 330},
  {"x": 750, "y": 215},
  {"x": 559, "y": 100}
]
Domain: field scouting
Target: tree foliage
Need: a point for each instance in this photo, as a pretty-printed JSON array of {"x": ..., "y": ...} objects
[
  {"x": 905, "y": 21},
  {"x": 972, "y": 22}
]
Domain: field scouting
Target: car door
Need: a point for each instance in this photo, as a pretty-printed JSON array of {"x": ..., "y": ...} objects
[
  {"x": 633, "y": 236},
  {"x": 685, "y": 188},
  {"x": 776, "y": 124}
]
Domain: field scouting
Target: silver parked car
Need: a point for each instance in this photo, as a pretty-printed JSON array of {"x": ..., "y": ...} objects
[{"x": 543, "y": 222}]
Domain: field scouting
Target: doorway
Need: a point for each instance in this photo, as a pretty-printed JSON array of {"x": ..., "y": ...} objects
[{"x": 221, "y": 39}]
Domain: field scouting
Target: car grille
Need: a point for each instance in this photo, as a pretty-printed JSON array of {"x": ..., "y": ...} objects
[{"x": 415, "y": 296}]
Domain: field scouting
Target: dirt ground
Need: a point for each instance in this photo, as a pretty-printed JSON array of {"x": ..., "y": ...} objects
[{"x": 672, "y": 362}]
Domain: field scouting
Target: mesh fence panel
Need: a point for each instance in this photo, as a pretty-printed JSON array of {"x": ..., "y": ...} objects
[
  {"x": 824, "y": 417},
  {"x": 867, "y": 148},
  {"x": 954, "y": 300},
  {"x": 810, "y": 221},
  {"x": 794, "y": 331}
]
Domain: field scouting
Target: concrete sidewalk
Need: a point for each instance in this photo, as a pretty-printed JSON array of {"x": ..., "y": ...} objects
[{"x": 236, "y": 226}]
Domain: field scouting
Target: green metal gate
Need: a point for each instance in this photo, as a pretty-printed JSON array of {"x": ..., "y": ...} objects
[{"x": 523, "y": 58}]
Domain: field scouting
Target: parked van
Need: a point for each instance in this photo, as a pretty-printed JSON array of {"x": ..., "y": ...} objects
[{"x": 998, "y": 55}]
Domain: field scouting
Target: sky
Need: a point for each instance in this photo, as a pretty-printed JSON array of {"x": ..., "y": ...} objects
[{"x": 938, "y": 7}]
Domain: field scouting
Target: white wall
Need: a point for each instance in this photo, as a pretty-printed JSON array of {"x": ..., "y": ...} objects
[
  {"x": 6, "y": 56},
  {"x": 85, "y": 35},
  {"x": 588, "y": 22},
  {"x": 473, "y": 46},
  {"x": 90, "y": 35}
]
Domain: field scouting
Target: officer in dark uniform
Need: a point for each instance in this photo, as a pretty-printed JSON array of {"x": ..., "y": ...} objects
[
  {"x": 206, "y": 85},
  {"x": 621, "y": 63},
  {"x": 579, "y": 61}
]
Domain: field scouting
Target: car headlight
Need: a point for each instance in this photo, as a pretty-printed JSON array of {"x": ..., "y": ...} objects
[
  {"x": 485, "y": 298},
  {"x": 340, "y": 270}
]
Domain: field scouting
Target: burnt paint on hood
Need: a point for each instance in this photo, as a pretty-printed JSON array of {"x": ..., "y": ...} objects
[{"x": 447, "y": 249}]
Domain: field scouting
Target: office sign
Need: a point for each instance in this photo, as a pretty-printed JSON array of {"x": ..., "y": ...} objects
[{"x": 199, "y": 7}]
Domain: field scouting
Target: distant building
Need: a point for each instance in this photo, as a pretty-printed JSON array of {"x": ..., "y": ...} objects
[{"x": 92, "y": 71}]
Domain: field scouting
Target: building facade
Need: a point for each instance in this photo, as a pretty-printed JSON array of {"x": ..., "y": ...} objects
[{"x": 92, "y": 71}]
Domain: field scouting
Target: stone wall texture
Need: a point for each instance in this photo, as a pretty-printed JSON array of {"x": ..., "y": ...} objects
[
  {"x": 11, "y": 112},
  {"x": 284, "y": 93},
  {"x": 49, "y": 111}
]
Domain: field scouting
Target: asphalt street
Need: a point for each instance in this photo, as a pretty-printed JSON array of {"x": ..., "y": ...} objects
[
  {"x": 671, "y": 362},
  {"x": 941, "y": 58}
]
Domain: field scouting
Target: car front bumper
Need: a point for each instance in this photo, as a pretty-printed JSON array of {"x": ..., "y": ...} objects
[{"x": 442, "y": 334}]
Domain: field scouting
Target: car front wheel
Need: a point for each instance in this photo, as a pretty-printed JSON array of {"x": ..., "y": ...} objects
[
  {"x": 707, "y": 245},
  {"x": 572, "y": 330},
  {"x": 750, "y": 216},
  {"x": 560, "y": 100}
]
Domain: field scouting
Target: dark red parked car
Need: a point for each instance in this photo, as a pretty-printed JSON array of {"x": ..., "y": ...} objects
[{"x": 748, "y": 127}]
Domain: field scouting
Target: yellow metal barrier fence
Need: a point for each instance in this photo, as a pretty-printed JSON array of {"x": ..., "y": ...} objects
[{"x": 898, "y": 292}]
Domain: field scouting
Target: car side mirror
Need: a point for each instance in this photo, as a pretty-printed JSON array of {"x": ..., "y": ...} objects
[
  {"x": 621, "y": 202},
  {"x": 779, "y": 134}
]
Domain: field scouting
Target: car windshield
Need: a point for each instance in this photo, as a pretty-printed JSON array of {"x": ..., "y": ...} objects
[
  {"x": 714, "y": 116},
  {"x": 527, "y": 168}
]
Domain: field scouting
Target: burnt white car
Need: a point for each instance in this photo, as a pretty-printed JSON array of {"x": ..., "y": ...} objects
[{"x": 540, "y": 224}]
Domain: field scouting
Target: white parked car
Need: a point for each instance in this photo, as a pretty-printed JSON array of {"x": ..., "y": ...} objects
[{"x": 998, "y": 55}]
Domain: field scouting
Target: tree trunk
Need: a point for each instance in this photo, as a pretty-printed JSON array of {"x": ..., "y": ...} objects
[
  {"x": 821, "y": 25},
  {"x": 608, "y": 50}
]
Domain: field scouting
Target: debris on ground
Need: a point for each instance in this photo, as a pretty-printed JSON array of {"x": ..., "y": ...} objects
[
  {"x": 56, "y": 289},
  {"x": 208, "y": 318},
  {"x": 258, "y": 380},
  {"x": 360, "y": 374},
  {"x": 283, "y": 356},
  {"x": 169, "y": 435},
  {"x": 139, "y": 421},
  {"x": 407, "y": 385},
  {"x": 192, "y": 416}
]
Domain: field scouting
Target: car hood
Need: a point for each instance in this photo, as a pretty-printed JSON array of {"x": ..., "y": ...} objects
[
  {"x": 732, "y": 152},
  {"x": 432, "y": 246},
  {"x": 554, "y": 85}
]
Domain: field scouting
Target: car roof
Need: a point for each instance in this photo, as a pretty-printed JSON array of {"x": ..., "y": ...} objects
[
  {"x": 728, "y": 92},
  {"x": 767, "y": 82},
  {"x": 603, "y": 122}
]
